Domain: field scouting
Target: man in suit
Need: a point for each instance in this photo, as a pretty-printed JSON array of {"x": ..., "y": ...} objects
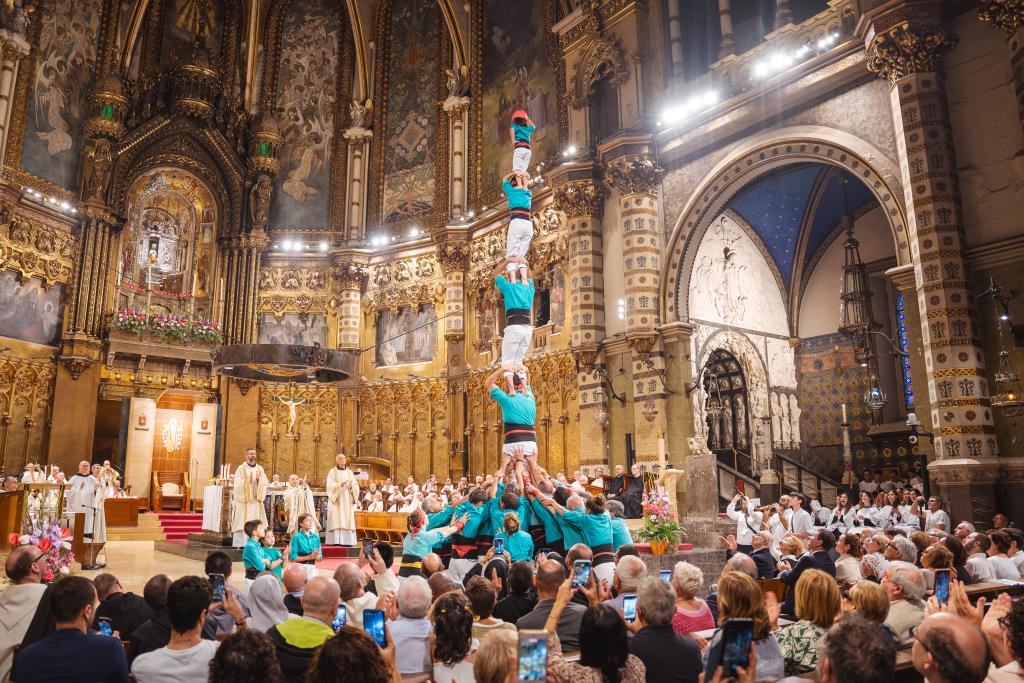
[
  {"x": 817, "y": 558},
  {"x": 550, "y": 576},
  {"x": 762, "y": 555}
]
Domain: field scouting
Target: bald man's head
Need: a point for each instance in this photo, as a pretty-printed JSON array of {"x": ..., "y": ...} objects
[
  {"x": 321, "y": 598},
  {"x": 295, "y": 577},
  {"x": 23, "y": 564},
  {"x": 432, "y": 564},
  {"x": 579, "y": 552},
  {"x": 350, "y": 579},
  {"x": 440, "y": 583},
  {"x": 550, "y": 576},
  {"x": 950, "y": 649}
]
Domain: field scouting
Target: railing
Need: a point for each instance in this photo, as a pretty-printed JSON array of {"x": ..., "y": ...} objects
[
  {"x": 727, "y": 479},
  {"x": 797, "y": 476}
]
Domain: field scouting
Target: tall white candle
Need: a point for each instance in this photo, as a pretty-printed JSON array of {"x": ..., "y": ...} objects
[{"x": 844, "y": 413}]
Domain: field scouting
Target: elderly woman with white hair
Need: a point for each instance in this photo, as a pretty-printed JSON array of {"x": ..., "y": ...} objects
[
  {"x": 411, "y": 630},
  {"x": 692, "y": 613}
]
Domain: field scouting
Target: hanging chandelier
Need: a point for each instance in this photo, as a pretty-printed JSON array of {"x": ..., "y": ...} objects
[{"x": 1008, "y": 396}]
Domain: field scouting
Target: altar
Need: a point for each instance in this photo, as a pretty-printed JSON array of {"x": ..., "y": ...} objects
[
  {"x": 277, "y": 516},
  {"x": 217, "y": 508}
]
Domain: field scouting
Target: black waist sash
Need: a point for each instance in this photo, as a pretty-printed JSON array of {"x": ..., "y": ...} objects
[
  {"x": 518, "y": 433},
  {"x": 517, "y": 316},
  {"x": 522, "y": 143},
  {"x": 603, "y": 554},
  {"x": 411, "y": 566},
  {"x": 519, "y": 213}
]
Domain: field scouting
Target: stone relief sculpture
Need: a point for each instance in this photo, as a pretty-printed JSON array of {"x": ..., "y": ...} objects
[
  {"x": 96, "y": 174},
  {"x": 787, "y": 433},
  {"x": 360, "y": 114},
  {"x": 259, "y": 202},
  {"x": 794, "y": 416},
  {"x": 776, "y": 415}
]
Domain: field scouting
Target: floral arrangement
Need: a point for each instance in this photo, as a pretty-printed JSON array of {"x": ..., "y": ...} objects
[
  {"x": 206, "y": 331},
  {"x": 169, "y": 326},
  {"x": 130, "y": 321},
  {"x": 53, "y": 541},
  {"x": 660, "y": 524}
]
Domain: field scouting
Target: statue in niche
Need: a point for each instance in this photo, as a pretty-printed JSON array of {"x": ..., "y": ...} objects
[
  {"x": 794, "y": 416},
  {"x": 315, "y": 280},
  {"x": 787, "y": 434},
  {"x": 359, "y": 113},
  {"x": 259, "y": 202},
  {"x": 457, "y": 81},
  {"x": 96, "y": 174},
  {"x": 776, "y": 413},
  {"x": 762, "y": 447},
  {"x": 291, "y": 280}
]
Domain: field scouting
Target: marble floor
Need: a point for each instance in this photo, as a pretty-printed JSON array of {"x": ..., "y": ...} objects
[{"x": 134, "y": 562}]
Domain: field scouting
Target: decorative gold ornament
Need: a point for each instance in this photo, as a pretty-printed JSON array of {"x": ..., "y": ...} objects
[
  {"x": 904, "y": 50},
  {"x": 581, "y": 198},
  {"x": 172, "y": 435},
  {"x": 75, "y": 366},
  {"x": 1005, "y": 15},
  {"x": 634, "y": 175}
]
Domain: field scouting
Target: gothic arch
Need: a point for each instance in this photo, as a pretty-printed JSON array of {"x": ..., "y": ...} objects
[
  {"x": 759, "y": 155},
  {"x": 602, "y": 51}
]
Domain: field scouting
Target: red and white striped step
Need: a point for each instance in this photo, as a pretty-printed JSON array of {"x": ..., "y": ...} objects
[{"x": 178, "y": 525}]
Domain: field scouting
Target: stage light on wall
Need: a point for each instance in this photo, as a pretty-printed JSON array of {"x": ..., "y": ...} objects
[
  {"x": 324, "y": 246},
  {"x": 414, "y": 231},
  {"x": 674, "y": 114}
]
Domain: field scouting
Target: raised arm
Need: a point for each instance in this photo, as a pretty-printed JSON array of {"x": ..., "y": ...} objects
[
  {"x": 501, "y": 267},
  {"x": 492, "y": 379}
]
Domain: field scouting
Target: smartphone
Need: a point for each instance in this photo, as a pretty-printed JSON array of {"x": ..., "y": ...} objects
[
  {"x": 217, "y": 584},
  {"x": 373, "y": 623},
  {"x": 942, "y": 577},
  {"x": 340, "y": 618},
  {"x": 367, "y": 547},
  {"x": 544, "y": 551},
  {"x": 105, "y": 626},
  {"x": 737, "y": 640},
  {"x": 666, "y": 575},
  {"x": 629, "y": 608},
  {"x": 580, "y": 573},
  {"x": 533, "y": 655},
  {"x": 499, "y": 546}
]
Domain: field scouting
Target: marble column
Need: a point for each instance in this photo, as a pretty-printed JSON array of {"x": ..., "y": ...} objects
[
  {"x": 675, "y": 40},
  {"x": 355, "y": 197},
  {"x": 351, "y": 277},
  {"x": 905, "y": 46},
  {"x": 637, "y": 178},
  {"x": 451, "y": 254},
  {"x": 458, "y": 113},
  {"x": 728, "y": 45},
  {"x": 13, "y": 47},
  {"x": 1008, "y": 16},
  {"x": 583, "y": 201}
]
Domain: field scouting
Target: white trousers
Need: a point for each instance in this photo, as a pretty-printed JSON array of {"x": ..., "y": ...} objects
[
  {"x": 515, "y": 342},
  {"x": 458, "y": 567},
  {"x": 604, "y": 572},
  {"x": 521, "y": 158},
  {"x": 529, "y": 448},
  {"x": 517, "y": 242}
]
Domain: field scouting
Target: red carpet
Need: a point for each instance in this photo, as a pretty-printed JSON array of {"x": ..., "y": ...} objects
[{"x": 178, "y": 525}]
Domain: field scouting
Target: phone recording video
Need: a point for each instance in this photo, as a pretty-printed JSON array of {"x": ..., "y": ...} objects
[
  {"x": 629, "y": 608},
  {"x": 736, "y": 642},
  {"x": 340, "y": 618},
  {"x": 217, "y": 585},
  {"x": 367, "y": 547},
  {"x": 533, "y": 655},
  {"x": 105, "y": 627},
  {"x": 373, "y": 623},
  {"x": 942, "y": 577},
  {"x": 580, "y": 573},
  {"x": 666, "y": 575},
  {"x": 499, "y": 546}
]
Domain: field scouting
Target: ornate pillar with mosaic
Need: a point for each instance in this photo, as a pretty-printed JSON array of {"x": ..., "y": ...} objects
[
  {"x": 581, "y": 198},
  {"x": 906, "y": 44},
  {"x": 358, "y": 138},
  {"x": 637, "y": 177},
  {"x": 13, "y": 48},
  {"x": 350, "y": 275},
  {"x": 457, "y": 107},
  {"x": 1008, "y": 16}
]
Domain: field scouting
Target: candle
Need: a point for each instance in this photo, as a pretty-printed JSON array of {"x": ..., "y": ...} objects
[
  {"x": 661, "y": 449},
  {"x": 844, "y": 413}
]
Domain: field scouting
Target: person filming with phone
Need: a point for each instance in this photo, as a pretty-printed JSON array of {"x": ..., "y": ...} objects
[{"x": 668, "y": 656}]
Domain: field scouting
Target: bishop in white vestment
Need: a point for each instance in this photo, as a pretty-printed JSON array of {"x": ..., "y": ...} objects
[
  {"x": 298, "y": 500},
  {"x": 342, "y": 493},
  {"x": 250, "y": 488}
]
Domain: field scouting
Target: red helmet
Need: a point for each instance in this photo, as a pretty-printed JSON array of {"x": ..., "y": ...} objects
[{"x": 520, "y": 114}]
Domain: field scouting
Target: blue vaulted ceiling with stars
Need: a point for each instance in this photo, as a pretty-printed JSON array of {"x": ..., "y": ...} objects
[{"x": 798, "y": 203}]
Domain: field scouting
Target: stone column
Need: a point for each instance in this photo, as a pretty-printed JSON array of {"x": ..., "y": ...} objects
[
  {"x": 728, "y": 45},
  {"x": 905, "y": 46},
  {"x": 1008, "y": 16},
  {"x": 351, "y": 277},
  {"x": 458, "y": 111},
  {"x": 637, "y": 178},
  {"x": 14, "y": 48},
  {"x": 95, "y": 245},
  {"x": 675, "y": 40},
  {"x": 582, "y": 201},
  {"x": 451, "y": 254},
  {"x": 783, "y": 14},
  {"x": 243, "y": 258},
  {"x": 355, "y": 197}
]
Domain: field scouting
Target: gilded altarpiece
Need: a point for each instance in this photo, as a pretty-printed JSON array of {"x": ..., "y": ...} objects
[
  {"x": 406, "y": 423},
  {"x": 296, "y": 294},
  {"x": 298, "y": 429}
]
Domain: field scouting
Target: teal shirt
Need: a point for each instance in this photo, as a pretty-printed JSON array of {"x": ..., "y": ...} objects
[
  {"x": 519, "y": 545},
  {"x": 492, "y": 513},
  {"x": 518, "y": 197},
  {"x": 620, "y": 533},
  {"x": 595, "y": 529},
  {"x": 473, "y": 522},
  {"x": 438, "y": 520},
  {"x": 497, "y": 519},
  {"x": 420, "y": 544},
  {"x": 252, "y": 556},
  {"x": 304, "y": 544},
  {"x": 520, "y": 409},
  {"x": 522, "y": 133},
  {"x": 517, "y": 295},
  {"x": 273, "y": 554},
  {"x": 552, "y": 527}
]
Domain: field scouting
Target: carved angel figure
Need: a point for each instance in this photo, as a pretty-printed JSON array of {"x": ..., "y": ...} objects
[
  {"x": 359, "y": 114},
  {"x": 259, "y": 201},
  {"x": 457, "y": 81},
  {"x": 98, "y": 161}
]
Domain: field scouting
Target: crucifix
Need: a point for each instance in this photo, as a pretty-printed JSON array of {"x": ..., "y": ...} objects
[{"x": 292, "y": 402}]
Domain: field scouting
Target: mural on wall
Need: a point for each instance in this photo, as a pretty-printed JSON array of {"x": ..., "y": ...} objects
[
  {"x": 183, "y": 20},
  {"x": 307, "y": 94},
  {"x": 58, "y": 101},
  {"x": 556, "y": 298},
  {"x": 487, "y": 319},
  {"x": 412, "y": 107},
  {"x": 293, "y": 328},
  {"x": 516, "y": 74},
  {"x": 29, "y": 311},
  {"x": 408, "y": 337}
]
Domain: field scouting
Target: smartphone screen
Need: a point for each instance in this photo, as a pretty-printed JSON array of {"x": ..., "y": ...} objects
[
  {"x": 942, "y": 585},
  {"x": 736, "y": 642},
  {"x": 340, "y": 618},
  {"x": 666, "y": 575},
  {"x": 533, "y": 655},
  {"x": 217, "y": 584},
  {"x": 367, "y": 547},
  {"x": 105, "y": 627},
  {"x": 373, "y": 623},
  {"x": 629, "y": 608},
  {"x": 580, "y": 573},
  {"x": 499, "y": 546}
]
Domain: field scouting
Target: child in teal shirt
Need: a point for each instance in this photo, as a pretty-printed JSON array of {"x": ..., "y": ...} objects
[
  {"x": 253, "y": 558},
  {"x": 273, "y": 555},
  {"x": 518, "y": 543}
]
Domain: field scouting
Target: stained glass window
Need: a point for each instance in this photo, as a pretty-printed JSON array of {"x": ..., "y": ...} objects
[{"x": 904, "y": 341}]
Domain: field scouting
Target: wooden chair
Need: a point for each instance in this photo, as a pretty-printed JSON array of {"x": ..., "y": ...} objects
[
  {"x": 170, "y": 491},
  {"x": 361, "y": 524},
  {"x": 377, "y": 525},
  {"x": 774, "y": 586},
  {"x": 398, "y": 526}
]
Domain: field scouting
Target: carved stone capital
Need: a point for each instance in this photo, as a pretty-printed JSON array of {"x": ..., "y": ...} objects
[
  {"x": 964, "y": 470},
  {"x": 357, "y": 136},
  {"x": 637, "y": 175},
  {"x": 244, "y": 385},
  {"x": 455, "y": 106},
  {"x": 351, "y": 275},
  {"x": 75, "y": 366},
  {"x": 452, "y": 256},
  {"x": 581, "y": 198},
  {"x": 587, "y": 357},
  {"x": 454, "y": 337},
  {"x": 1005, "y": 15},
  {"x": 907, "y": 49},
  {"x": 641, "y": 343}
]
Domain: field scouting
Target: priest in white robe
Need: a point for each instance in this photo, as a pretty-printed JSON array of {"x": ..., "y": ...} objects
[
  {"x": 298, "y": 500},
  {"x": 342, "y": 493},
  {"x": 85, "y": 495},
  {"x": 250, "y": 488}
]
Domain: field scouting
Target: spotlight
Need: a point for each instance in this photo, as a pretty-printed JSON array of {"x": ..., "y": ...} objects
[
  {"x": 286, "y": 245},
  {"x": 65, "y": 206},
  {"x": 472, "y": 214},
  {"x": 414, "y": 232},
  {"x": 1004, "y": 317},
  {"x": 323, "y": 246},
  {"x": 74, "y": 210}
]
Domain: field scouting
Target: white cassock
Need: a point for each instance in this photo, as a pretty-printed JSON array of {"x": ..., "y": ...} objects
[
  {"x": 33, "y": 478},
  {"x": 298, "y": 500},
  {"x": 341, "y": 507},
  {"x": 85, "y": 495},
  {"x": 250, "y": 488}
]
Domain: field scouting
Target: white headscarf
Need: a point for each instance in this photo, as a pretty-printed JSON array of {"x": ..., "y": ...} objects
[{"x": 266, "y": 603}]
